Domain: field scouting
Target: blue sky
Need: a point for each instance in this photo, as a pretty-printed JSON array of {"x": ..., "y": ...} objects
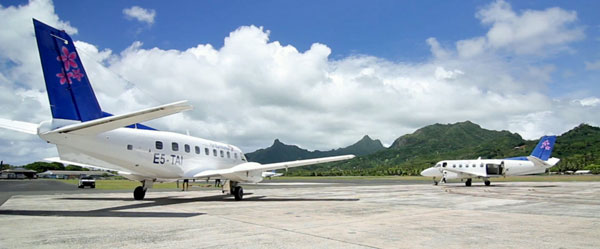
[
  {"x": 394, "y": 30},
  {"x": 319, "y": 74}
]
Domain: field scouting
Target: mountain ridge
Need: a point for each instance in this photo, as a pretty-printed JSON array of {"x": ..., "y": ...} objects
[{"x": 280, "y": 152}]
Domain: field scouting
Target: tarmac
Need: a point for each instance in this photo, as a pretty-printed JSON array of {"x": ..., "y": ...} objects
[{"x": 316, "y": 215}]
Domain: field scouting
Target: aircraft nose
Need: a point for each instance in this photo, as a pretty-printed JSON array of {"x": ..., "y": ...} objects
[{"x": 430, "y": 172}]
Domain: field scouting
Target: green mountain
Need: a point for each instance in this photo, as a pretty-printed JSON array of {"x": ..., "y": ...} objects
[
  {"x": 414, "y": 152},
  {"x": 578, "y": 148},
  {"x": 280, "y": 152}
]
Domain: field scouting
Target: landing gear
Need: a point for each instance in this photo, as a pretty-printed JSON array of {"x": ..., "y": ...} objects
[
  {"x": 487, "y": 182},
  {"x": 468, "y": 182},
  {"x": 140, "y": 191},
  {"x": 232, "y": 188},
  {"x": 434, "y": 181},
  {"x": 238, "y": 193}
]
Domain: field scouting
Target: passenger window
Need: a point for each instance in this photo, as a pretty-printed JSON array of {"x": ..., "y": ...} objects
[
  {"x": 235, "y": 155},
  {"x": 129, "y": 147},
  {"x": 206, "y": 151},
  {"x": 474, "y": 166},
  {"x": 222, "y": 154},
  {"x": 460, "y": 165},
  {"x": 175, "y": 146},
  {"x": 197, "y": 150},
  {"x": 187, "y": 148},
  {"x": 159, "y": 145},
  {"x": 228, "y": 154},
  {"x": 453, "y": 165},
  {"x": 481, "y": 165},
  {"x": 215, "y": 152}
]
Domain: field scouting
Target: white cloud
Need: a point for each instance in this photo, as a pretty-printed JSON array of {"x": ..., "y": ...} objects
[
  {"x": 140, "y": 14},
  {"x": 591, "y": 101},
  {"x": 253, "y": 90},
  {"x": 528, "y": 32},
  {"x": 436, "y": 49},
  {"x": 594, "y": 65}
]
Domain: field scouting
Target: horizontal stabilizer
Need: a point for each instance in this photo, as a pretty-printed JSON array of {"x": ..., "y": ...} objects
[
  {"x": 19, "y": 126},
  {"x": 541, "y": 163},
  {"x": 244, "y": 167},
  {"x": 113, "y": 122}
]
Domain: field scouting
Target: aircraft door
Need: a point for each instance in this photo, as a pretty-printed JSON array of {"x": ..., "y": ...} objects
[{"x": 494, "y": 169}]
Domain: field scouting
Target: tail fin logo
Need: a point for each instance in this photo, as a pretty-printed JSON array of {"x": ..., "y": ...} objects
[
  {"x": 68, "y": 60},
  {"x": 546, "y": 145}
]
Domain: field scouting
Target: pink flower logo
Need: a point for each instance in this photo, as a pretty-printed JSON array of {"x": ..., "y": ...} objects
[
  {"x": 64, "y": 78},
  {"x": 67, "y": 58},
  {"x": 69, "y": 71},
  {"x": 77, "y": 74},
  {"x": 546, "y": 145}
]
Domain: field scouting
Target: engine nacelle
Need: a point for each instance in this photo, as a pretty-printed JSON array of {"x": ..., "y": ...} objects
[{"x": 248, "y": 176}]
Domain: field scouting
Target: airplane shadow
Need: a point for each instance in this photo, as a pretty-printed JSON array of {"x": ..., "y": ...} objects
[{"x": 118, "y": 211}]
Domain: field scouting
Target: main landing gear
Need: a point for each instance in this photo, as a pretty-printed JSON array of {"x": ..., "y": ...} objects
[
  {"x": 468, "y": 182},
  {"x": 487, "y": 182},
  {"x": 140, "y": 191},
  {"x": 231, "y": 187}
]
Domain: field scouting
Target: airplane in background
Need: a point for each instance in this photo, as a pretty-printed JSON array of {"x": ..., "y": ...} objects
[
  {"x": 86, "y": 136},
  {"x": 536, "y": 163}
]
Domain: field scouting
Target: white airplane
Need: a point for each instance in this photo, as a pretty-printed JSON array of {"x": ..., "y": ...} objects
[
  {"x": 86, "y": 136},
  {"x": 536, "y": 163}
]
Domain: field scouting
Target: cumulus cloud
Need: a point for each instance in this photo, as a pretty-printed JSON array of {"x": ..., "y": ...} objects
[
  {"x": 253, "y": 90},
  {"x": 140, "y": 14},
  {"x": 528, "y": 32},
  {"x": 594, "y": 65}
]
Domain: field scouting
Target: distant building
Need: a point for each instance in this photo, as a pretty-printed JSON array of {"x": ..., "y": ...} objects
[
  {"x": 71, "y": 174},
  {"x": 582, "y": 172},
  {"x": 18, "y": 173}
]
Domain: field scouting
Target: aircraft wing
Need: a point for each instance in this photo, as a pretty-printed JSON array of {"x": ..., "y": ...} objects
[
  {"x": 246, "y": 167},
  {"x": 474, "y": 174},
  {"x": 113, "y": 122},
  {"x": 58, "y": 160},
  {"x": 19, "y": 126}
]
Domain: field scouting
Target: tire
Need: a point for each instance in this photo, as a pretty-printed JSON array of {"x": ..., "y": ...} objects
[
  {"x": 80, "y": 186},
  {"x": 238, "y": 193},
  {"x": 487, "y": 183},
  {"x": 139, "y": 193},
  {"x": 468, "y": 183}
]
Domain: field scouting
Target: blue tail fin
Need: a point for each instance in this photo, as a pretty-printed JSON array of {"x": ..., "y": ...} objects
[
  {"x": 69, "y": 91},
  {"x": 543, "y": 150}
]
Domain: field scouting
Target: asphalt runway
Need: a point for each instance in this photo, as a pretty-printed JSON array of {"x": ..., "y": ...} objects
[{"x": 322, "y": 215}]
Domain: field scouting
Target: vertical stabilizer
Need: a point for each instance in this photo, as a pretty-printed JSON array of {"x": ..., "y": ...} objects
[
  {"x": 69, "y": 91},
  {"x": 543, "y": 150}
]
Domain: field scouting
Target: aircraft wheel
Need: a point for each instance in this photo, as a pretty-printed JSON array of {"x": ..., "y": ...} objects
[
  {"x": 238, "y": 193},
  {"x": 468, "y": 182},
  {"x": 487, "y": 182},
  {"x": 435, "y": 183},
  {"x": 139, "y": 193}
]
